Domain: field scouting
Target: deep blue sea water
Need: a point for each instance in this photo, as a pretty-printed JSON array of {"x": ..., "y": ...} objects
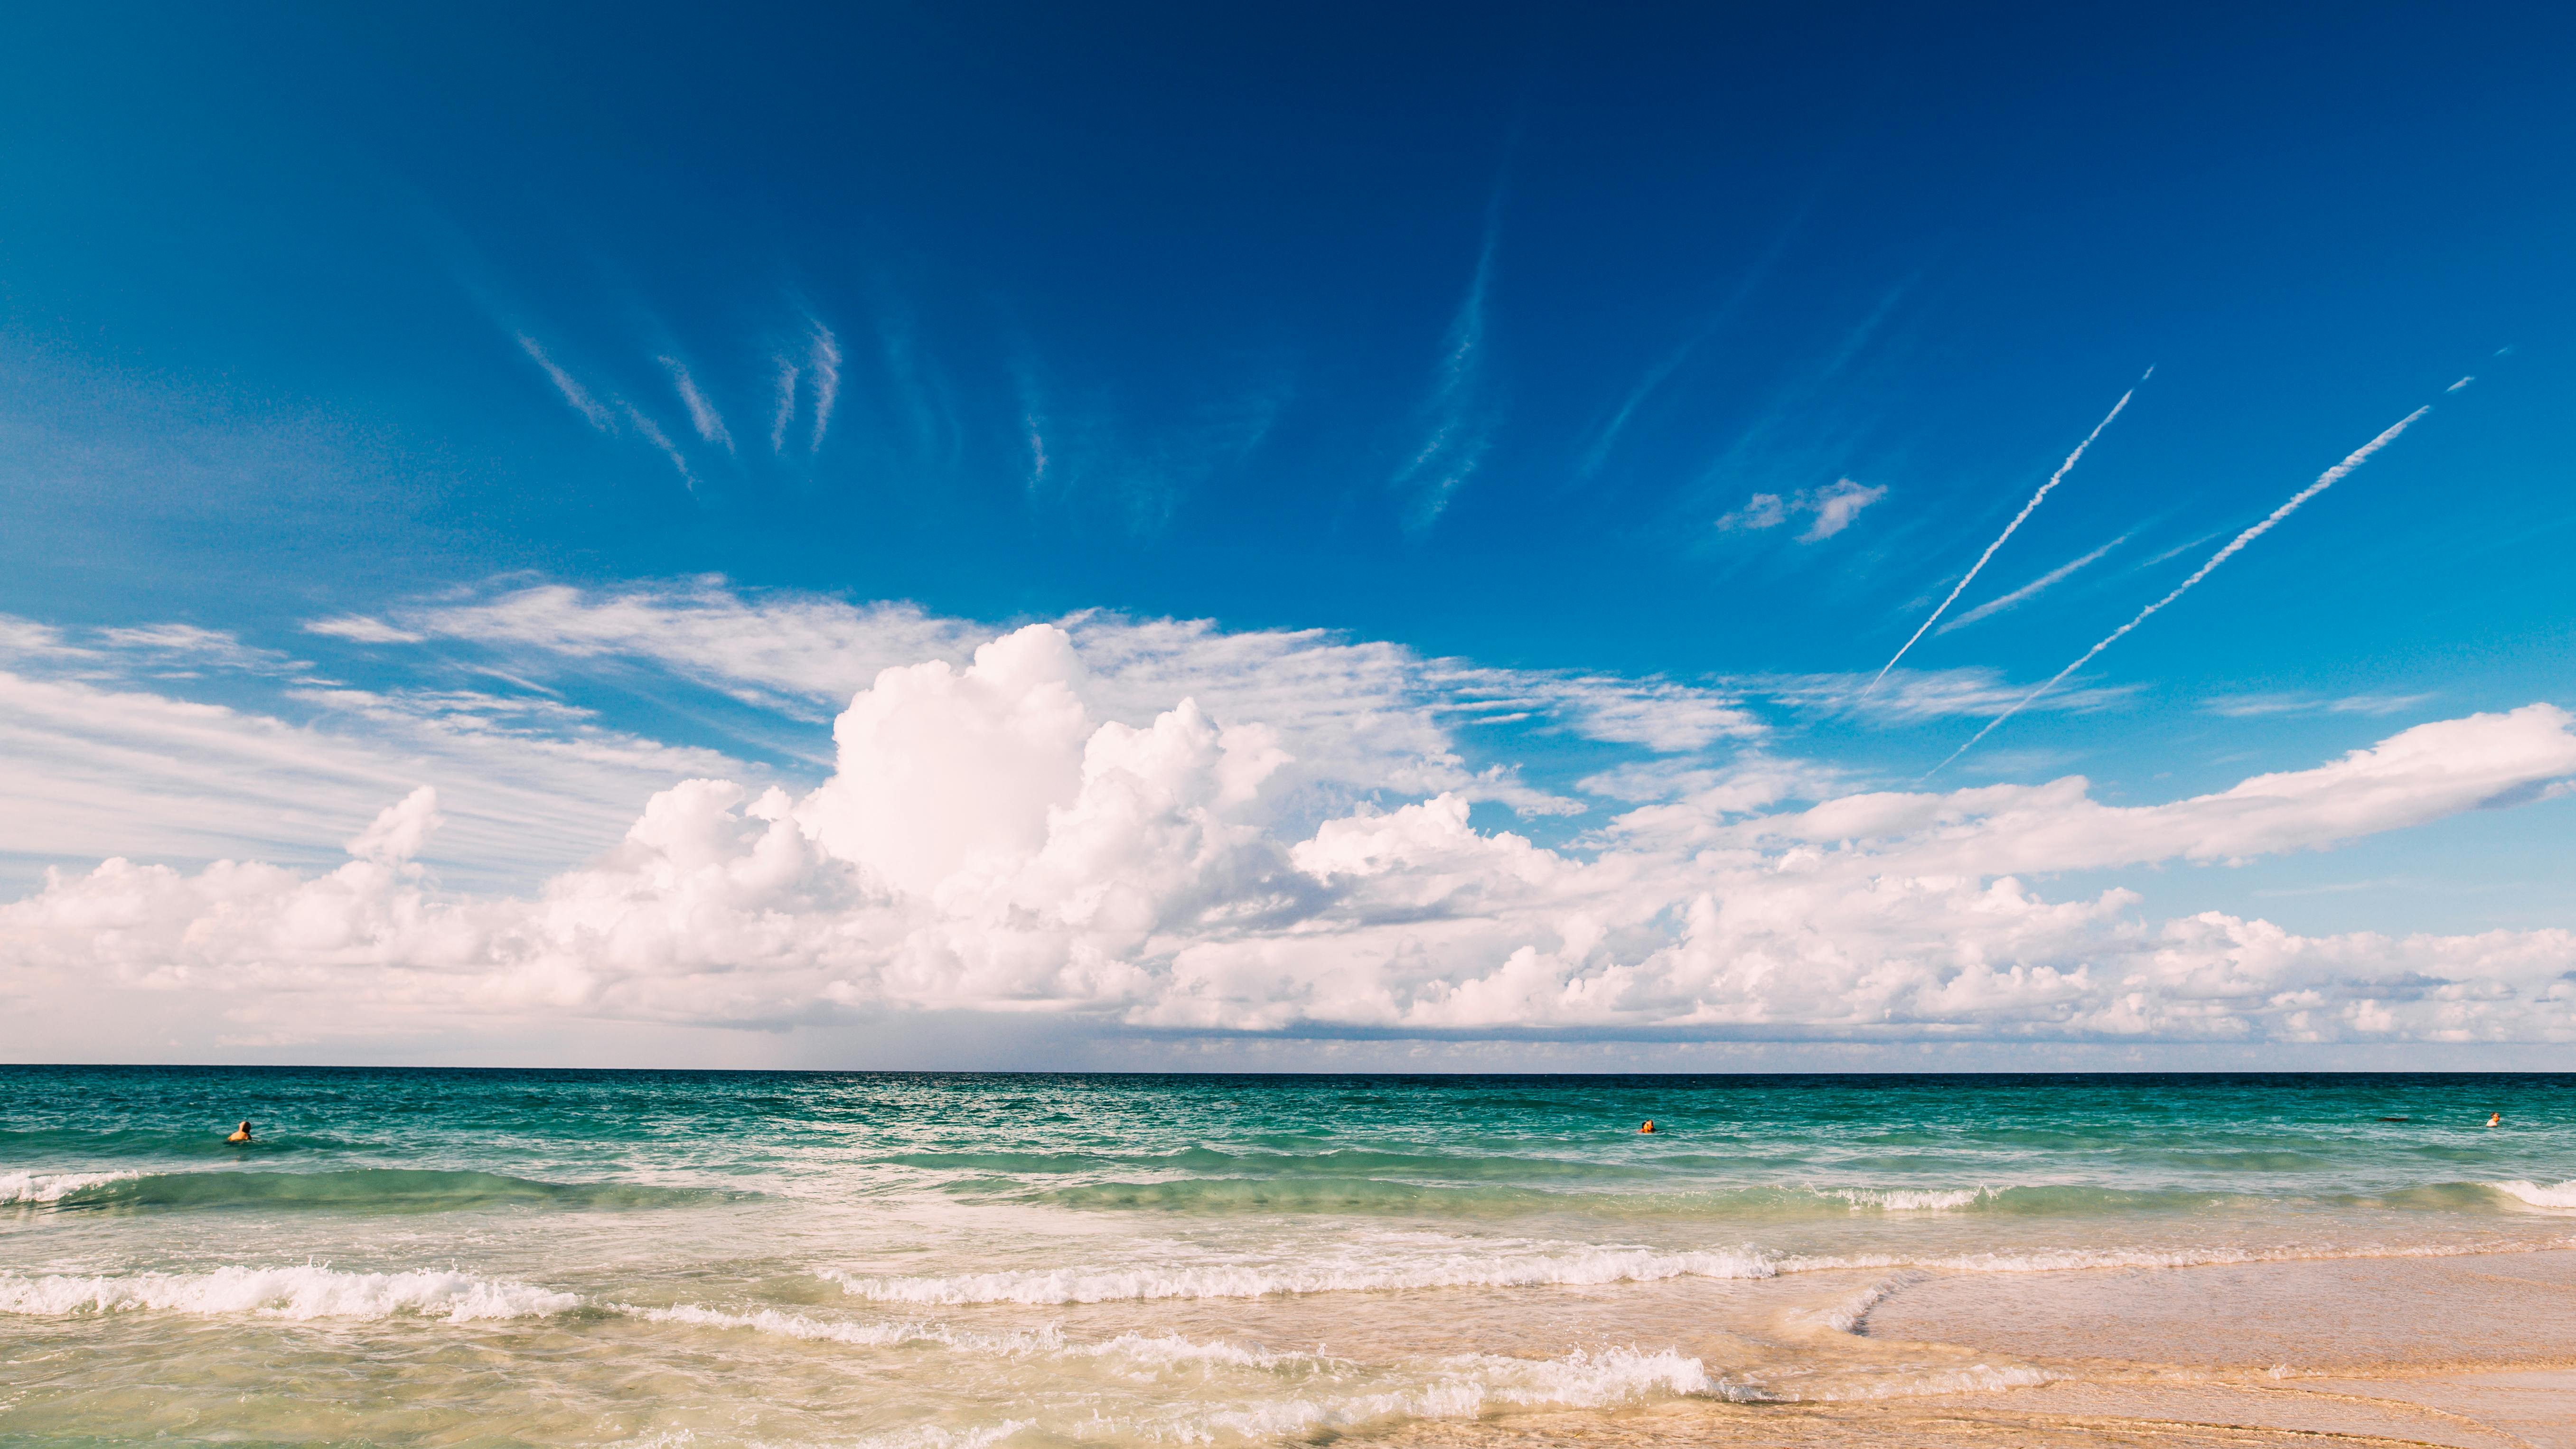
[{"x": 945, "y": 1260}]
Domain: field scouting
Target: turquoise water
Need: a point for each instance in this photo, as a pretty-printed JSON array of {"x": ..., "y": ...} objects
[{"x": 604, "y": 1258}]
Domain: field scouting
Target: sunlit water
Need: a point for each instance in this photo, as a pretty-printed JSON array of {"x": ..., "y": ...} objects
[{"x": 628, "y": 1258}]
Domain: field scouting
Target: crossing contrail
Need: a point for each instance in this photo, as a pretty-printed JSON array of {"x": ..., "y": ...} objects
[
  {"x": 2008, "y": 530},
  {"x": 2325, "y": 480}
]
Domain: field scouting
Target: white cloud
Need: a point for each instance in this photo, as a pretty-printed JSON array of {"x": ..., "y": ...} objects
[
  {"x": 25, "y": 638},
  {"x": 823, "y": 364},
  {"x": 1364, "y": 716},
  {"x": 1458, "y": 416},
  {"x": 2244, "y": 706},
  {"x": 94, "y": 766},
  {"x": 702, "y": 413},
  {"x": 783, "y": 410},
  {"x": 1912, "y": 696},
  {"x": 994, "y": 837},
  {"x": 1762, "y": 510},
  {"x": 572, "y": 390},
  {"x": 1836, "y": 505},
  {"x": 360, "y": 629},
  {"x": 187, "y": 644},
  {"x": 651, "y": 432},
  {"x": 1831, "y": 509}
]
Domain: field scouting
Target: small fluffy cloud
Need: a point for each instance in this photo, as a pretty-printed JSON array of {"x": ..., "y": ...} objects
[
  {"x": 1829, "y": 510},
  {"x": 994, "y": 836}
]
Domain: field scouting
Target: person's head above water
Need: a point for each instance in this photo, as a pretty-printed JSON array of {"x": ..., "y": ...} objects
[
  {"x": 1649, "y": 1127},
  {"x": 241, "y": 1133}
]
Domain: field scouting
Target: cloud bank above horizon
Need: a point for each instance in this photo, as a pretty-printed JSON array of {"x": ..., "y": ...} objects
[{"x": 1159, "y": 826}]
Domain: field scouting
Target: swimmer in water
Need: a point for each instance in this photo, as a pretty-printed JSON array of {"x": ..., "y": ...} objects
[
  {"x": 2495, "y": 1119},
  {"x": 1649, "y": 1127},
  {"x": 240, "y": 1134}
]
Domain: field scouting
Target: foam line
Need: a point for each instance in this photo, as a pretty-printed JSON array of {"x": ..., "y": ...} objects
[
  {"x": 1591, "y": 1265},
  {"x": 307, "y": 1291}
]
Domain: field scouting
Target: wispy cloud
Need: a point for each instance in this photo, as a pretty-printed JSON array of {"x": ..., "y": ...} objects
[
  {"x": 1597, "y": 452},
  {"x": 186, "y": 645},
  {"x": 1458, "y": 416},
  {"x": 2029, "y": 590},
  {"x": 916, "y": 385},
  {"x": 2325, "y": 480},
  {"x": 823, "y": 365},
  {"x": 2244, "y": 706},
  {"x": 1810, "y": 428},
  {"x": 1831, "y": 509},
  {"x": 651, "y": 432},
  {"x": 361, "y": 629},
  {"x": 1909, "y": 696},
  {"x": 1087, "y": 447},
  {"x": 702, "y": 413},
  {"x": 2026, "y": 510},
  {"x": 1037, "y": 451},
  {"x": 812, "y": 367},
  {"x": 573, "y": 392},
  {"x": 783, "y": 414},
  {"x": 615, "y": 415}
]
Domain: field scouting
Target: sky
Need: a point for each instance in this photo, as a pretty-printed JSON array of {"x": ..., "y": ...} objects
[{"x": 1138, "y": 536}]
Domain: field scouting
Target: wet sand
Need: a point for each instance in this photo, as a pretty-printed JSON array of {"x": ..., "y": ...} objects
[{"x": 2477, "y": 1352}]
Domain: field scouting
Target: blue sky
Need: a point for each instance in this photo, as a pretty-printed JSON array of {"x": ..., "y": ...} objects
[{"x": 1673, "y": 361}]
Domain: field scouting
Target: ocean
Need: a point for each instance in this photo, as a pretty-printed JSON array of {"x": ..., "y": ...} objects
[{"x": 425, "y": 1257}]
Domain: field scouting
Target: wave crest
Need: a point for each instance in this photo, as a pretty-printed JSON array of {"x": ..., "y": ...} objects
[
  {"x": 1235, "y": 1280},
  {"x": 309, "y": 1291},
  {"x": 23, "y": 1189},
  {"x": 2561, "y": 1196}
]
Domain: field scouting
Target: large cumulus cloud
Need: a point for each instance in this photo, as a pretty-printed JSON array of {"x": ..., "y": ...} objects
[{"x": 994, "y": 837}]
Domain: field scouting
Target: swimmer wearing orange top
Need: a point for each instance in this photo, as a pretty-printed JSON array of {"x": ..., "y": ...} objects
[
  {"x": 1649, "y": 1127},
  {"x": 241, "y": 1133}
]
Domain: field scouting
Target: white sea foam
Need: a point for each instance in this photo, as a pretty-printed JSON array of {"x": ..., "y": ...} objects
[
  {"x": 308, "y": 1291},
  {"x": 1152, "y": 1350},
  {"x": 2533, "y": 1194},
  {"x": 2062, "y": 1260},
  {"x": 1515, "y": 1266},
  {"x": 44, "y": 1187},
  {"x": 1465, "y": 1386},
  {"x": 1908, "y": 1200},
  {"x": 933, "y": 1436},
  {"x": 886, "y": 1334},
  {"x": 1581, "y": 1265},
  {"x": 1848, "y": 1315}
]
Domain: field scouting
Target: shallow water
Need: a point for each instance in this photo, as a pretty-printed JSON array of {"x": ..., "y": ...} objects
[{"x": 721, "y": 1258}]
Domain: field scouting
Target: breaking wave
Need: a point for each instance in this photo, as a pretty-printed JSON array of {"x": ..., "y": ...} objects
[
  {"x": 1518, "y": 1266},
  {"x": 1463, "y": 1269},
  {"x": 2559, "y": 1196},
  {"x": 27, "y": 1189},
  {"x": 308, "y": 1291}
]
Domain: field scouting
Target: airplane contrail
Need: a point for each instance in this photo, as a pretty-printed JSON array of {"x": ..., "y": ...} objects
[
  {"x": 2008, "y": 531},
  {"x": 2325, "y": 480}
]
